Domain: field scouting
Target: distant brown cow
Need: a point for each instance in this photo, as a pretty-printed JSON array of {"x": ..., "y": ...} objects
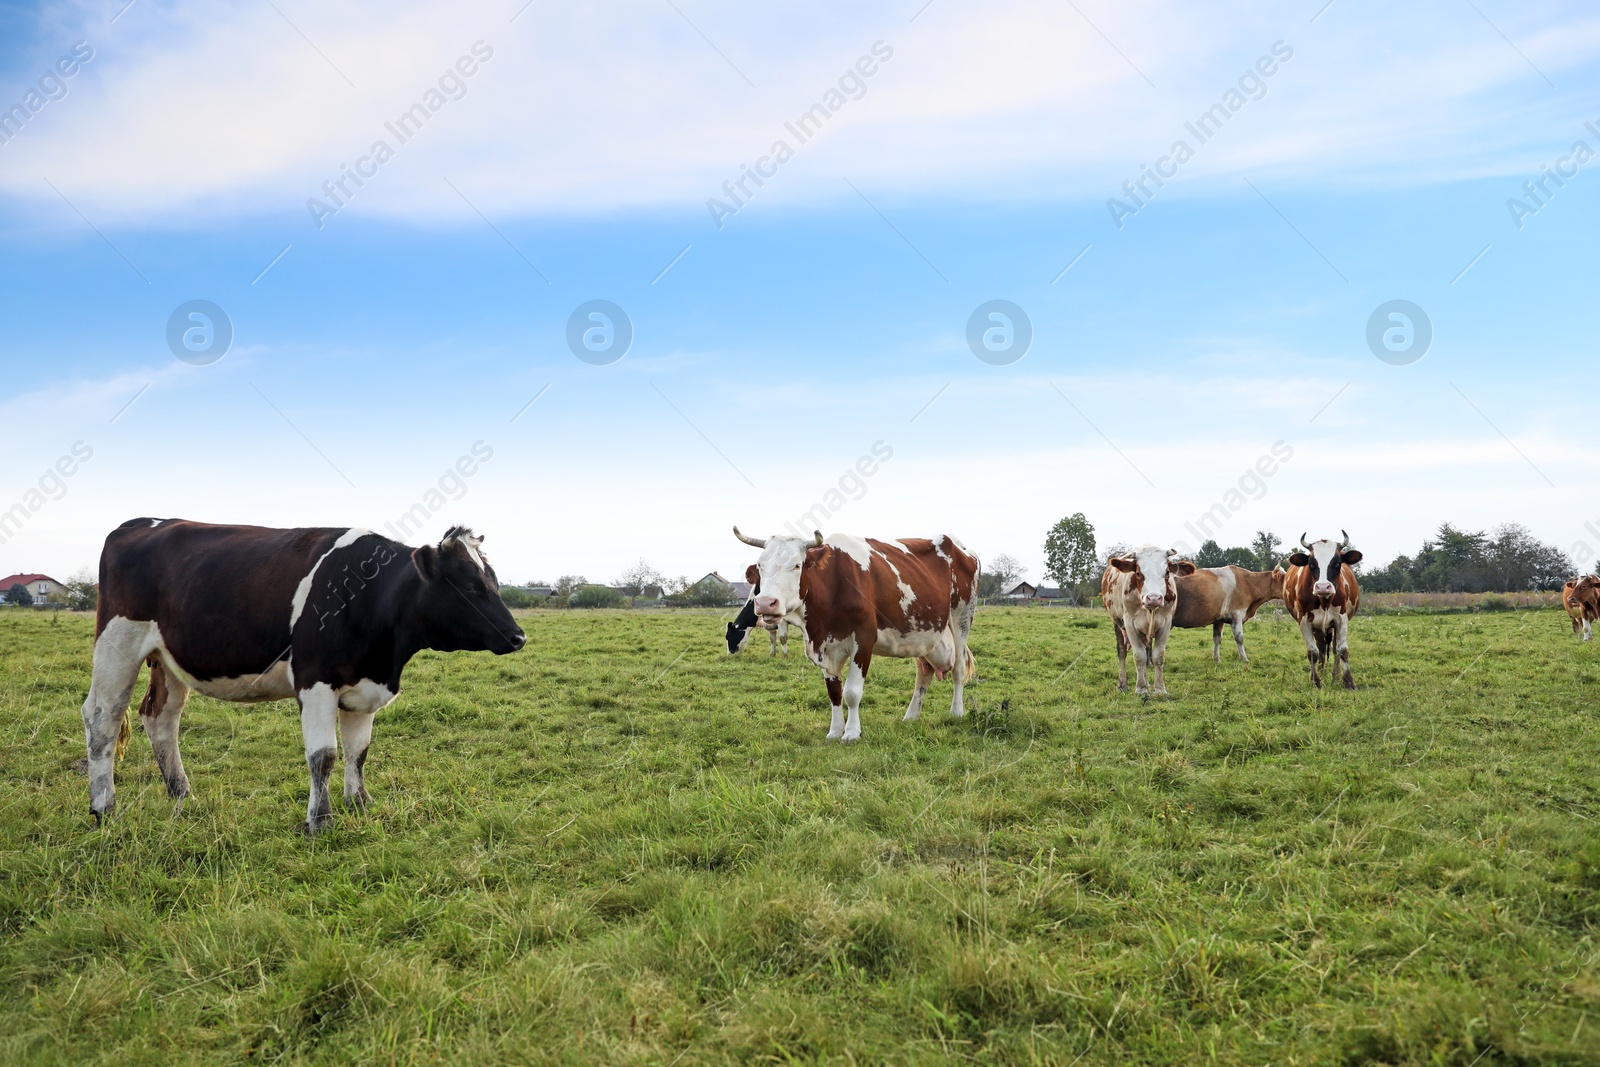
[
  {"x": 1581, "y": 597},
  {"x": 1230, "y": 595},
  {"x": 1322, "y": 593}
]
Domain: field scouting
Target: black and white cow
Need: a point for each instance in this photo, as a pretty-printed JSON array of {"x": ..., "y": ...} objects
[
  {"x": 747, "y": 620},
  {"x": 327, "y": 616}
]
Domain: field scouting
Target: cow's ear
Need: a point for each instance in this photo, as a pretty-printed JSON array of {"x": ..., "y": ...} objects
[
  {"x": 1299, "y": 559},
  {"x": 752, "y": 574},
  {"x": 1122, "y": 564},
  {"x": 426, "y": 560},
  {"x": 1183, "y": 566},
  {"x": 1351, "y": 555}
]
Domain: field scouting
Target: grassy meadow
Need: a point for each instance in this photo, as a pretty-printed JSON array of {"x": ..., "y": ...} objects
[{"x": 621, "y": 846}]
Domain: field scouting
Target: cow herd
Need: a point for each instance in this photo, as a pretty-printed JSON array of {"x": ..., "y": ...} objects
[{"x": 331, "y": 617}]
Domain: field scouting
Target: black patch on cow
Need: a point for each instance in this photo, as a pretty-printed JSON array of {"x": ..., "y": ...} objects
[{"x": 744, "y": 622}]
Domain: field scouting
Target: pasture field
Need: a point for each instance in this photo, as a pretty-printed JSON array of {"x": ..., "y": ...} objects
[{"x": 621, "y": 846}]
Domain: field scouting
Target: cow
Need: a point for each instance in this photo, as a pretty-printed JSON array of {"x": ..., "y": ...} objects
[
  {"x": 328, "y": 616},
  {"x": 1140, "y": 593},
  {"x": 1218, "y": 596},
  {"x": 1322, "y": 594},
  {"x": 739, "y": 629},
  {"x": 1581, "y": 597},
  {"x": 856, "y": 597}
]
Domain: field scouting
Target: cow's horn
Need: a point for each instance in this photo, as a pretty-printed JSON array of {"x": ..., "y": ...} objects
[
  {"x": 818, "y": 541},
  {"x": 1303, "y": 540},
  {"x": 751, "y": 541},
  {"x": 1345, "y": 543}
]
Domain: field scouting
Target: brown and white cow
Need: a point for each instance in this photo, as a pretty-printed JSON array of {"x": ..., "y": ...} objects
[
  {"x": 327, "y": 616},
  {"x": 855, "y": 597},
  {"x": 1321, "y": 592},
  {"x": 1218, "y": 596},
  {"x": 1581, "y": 597},
  {"x": 1140, "y": 593}
]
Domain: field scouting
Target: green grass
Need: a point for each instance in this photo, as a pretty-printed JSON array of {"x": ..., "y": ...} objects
[{"x": 620, "y": 846}]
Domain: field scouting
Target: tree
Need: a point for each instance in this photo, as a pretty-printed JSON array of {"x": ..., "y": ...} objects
[
  {"x": 568, "y": 583},
  {"x": 1069, "y": 555},
  {"x": 83, "y": 594},
  {"x": 1210, "y": 554},
  {"x": 706, "y": 593},
  {"x": 637, "y": 577},
  {"x": 595, "y": 596},
  {"x": 18, "y": 594},
  {"x": 1265, "y": 547},
  {"x": 1002, "y": 574}
]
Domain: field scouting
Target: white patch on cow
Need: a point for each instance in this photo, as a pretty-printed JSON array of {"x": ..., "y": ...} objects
[
  {"x": 302, "y": 592},
  {"x": 274, "y": 683},
  {"x": 1226, "y": 578},
  {"x": 908, "y": 596},
  {"x": 155, "y": 522},
  {"x": 474, "y": 547},
  {"x": 938, "y": 548},
  {"x": 365, "y": 696},
  {"x": 854, "y": 547},
  {"x": 936, "y": 646}
]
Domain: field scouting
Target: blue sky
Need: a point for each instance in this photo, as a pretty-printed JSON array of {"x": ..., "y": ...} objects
[{"x": 826, "y": 315}]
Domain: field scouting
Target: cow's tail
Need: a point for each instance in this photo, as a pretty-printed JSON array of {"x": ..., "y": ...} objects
[{"x": 123, "y": 734}]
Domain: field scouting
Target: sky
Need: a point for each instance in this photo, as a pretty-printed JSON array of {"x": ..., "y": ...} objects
[{"x": 1199, "y": 222}]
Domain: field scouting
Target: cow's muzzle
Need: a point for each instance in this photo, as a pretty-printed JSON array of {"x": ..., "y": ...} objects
[
  {"x": 767, "y": 605},
  {"x": 1323, "y": 589},
  {"x": 1154, "y": 600}
]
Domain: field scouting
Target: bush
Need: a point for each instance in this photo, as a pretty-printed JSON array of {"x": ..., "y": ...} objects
[
  {"x": 515, "y": 596},
  {"x": 595, "y": 596}
]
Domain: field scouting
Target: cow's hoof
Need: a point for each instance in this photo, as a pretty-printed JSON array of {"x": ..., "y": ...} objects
[
  {"x": 358, "y": 800},
  {"x": 835, "y": 735},
  {"x": 177, "y": 788},
  {"x": 850, "y": 738}
]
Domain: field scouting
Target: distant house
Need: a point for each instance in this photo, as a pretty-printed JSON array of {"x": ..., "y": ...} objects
[
  {"x": 732, "y": 592},
  {"x": 540, "y": 590},
  {"x": 1030, "y": 591},
  {"x": 39, "y": 586}
]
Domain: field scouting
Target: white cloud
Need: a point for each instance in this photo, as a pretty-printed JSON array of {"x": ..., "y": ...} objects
[{"x": 186, "y": 113}]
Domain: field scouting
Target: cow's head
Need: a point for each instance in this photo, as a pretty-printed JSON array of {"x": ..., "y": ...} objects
[
  {"x": 459, "y": 604},
  {"x": 1153, "y": 573},
  {"x": 1322, "y": 560},
  {"x": 778, "y": 575}
]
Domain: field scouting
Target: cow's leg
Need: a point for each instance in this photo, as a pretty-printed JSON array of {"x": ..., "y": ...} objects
[
  {"x": 1159, "y": 648},
  {"x": 160, "y": 711},
  {"x": 1313, "y": 643},
  {"x": 836, "y": 699},
  {"x": 118, "y": 652},
  {"x": 1343, "y": 649},
  {"x": 1141, "y": 661},
  {"x": 319, "y": 723},
  {"x": 355, "y": 733},
  {"x": 1238, "y": 635},
  {"x": 855, "y": 683},
  {"x": 958, "y": 671},
  {"x": 1587, "y": 633},
  {"x": 924, "y": 678},
  {"x": 1122, "y": 657},
  {"x": 1216, "y": 641}
]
